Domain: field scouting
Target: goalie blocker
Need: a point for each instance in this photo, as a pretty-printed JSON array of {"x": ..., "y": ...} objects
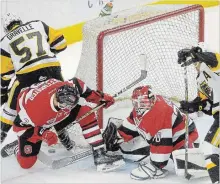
[{"x": 61, "y": 108}]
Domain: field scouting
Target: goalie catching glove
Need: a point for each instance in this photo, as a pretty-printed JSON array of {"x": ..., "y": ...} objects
[
  {"x": 111, "y": 136},
  {"x": 197, "y": 105},
  {"x": 147, "y": 171}
]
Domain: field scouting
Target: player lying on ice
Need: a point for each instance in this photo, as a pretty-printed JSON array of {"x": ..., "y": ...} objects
[
  {"x": 208, "y": 83},
  {"x": 160, "y": 123},
  {"x": 45, "y": 104}
]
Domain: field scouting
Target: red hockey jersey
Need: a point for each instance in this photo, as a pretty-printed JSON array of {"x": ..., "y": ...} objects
[
  {"x": 163, "y": 127},
  {"x": 35, "y": 104}
]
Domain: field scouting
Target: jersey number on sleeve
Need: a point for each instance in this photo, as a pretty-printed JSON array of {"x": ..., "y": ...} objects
[{"x": 26, "y": 50}]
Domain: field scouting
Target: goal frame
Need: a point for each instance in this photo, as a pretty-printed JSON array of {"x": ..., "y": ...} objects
[{"x": 102, "y": 34}]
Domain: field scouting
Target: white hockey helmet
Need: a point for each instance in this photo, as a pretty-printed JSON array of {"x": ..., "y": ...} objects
[{"x": 9, "y": 21}]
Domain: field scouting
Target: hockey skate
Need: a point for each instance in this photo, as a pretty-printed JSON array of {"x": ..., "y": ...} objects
[
  {"x": 8, "y": 149},
  {"x": 147, "y": 171},
  {"x": 106, "y": 162},
  {"x": 65, "y": 140}
]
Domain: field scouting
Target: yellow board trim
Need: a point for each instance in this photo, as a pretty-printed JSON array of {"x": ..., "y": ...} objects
[
  {"x": 216, "y": 139},
  {"x": 211, "y": 165},
  {"x": 44, "y": 65},
  {"x": 73, "y": 33},
  {"x": 205, "y": 4},
  {"x": 11, "y": 93},
  {"x": 6, "y": 121}
]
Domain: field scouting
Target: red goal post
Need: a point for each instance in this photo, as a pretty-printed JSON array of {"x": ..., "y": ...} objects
[{"x": 112, "y": 45}]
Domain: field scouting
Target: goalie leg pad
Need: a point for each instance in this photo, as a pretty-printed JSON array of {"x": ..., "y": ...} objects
[
  {"x": 196, "y": 162},
  {"x": 136, "y": 149}
]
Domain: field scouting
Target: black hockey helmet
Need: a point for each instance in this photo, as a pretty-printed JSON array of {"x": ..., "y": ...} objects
[
  {"x": 10, "y": 21},
  {"x": 67, "y": 96}
]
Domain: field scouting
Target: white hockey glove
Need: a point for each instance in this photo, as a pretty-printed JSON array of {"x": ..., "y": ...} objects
[{"x": 147, "y": 171}]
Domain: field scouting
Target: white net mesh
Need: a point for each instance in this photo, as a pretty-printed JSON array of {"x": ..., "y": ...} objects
[{"x": 112, "y": 46}]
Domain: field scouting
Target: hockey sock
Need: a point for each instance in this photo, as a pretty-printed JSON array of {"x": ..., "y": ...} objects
[{"x": 212, "y": 165}]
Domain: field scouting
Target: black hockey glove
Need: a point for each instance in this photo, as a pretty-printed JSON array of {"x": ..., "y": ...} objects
[
  {"x": 195, "y": 106},
  {"x": 185, "y": 53},
  {"x": 110, "y": 137}
]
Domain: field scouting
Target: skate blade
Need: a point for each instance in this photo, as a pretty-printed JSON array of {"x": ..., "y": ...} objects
[
  {"x": 147, "y": 177},
  {"x": 110, "y": 167},
  {"x": 138, "y": 178}
]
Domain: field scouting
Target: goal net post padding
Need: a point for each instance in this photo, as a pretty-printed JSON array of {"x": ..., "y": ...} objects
[{"x": 112, "y": 46}]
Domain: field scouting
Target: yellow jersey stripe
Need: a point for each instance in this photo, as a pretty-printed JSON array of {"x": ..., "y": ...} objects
[
  {"x": 11, "y": 94},
  {"x": 6, "y": 78},
  {"x": 6, "y": 121},
  {"x": 216, "y": 138},
  {"x": 211, "y": 165}
]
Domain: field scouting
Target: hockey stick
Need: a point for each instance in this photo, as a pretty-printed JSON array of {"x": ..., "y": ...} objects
[
  {"x": 8, "y": 150},
  {"x": 62, "y": 162},
  {"x": 186, "y": 173}
]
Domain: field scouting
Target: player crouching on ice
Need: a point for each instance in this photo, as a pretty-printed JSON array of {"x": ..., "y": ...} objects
[
  {"x": 161, "y": 125},
  {"x": 45, "y": 104}
]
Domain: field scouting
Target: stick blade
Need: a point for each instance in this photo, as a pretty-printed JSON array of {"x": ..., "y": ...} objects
[{"x": 143, "y": 61}]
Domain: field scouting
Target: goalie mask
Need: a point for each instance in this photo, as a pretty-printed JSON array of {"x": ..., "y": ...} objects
[
  {"x": 10, "y": 21},
  {"x": 67, "y": 96},
  {"x": 143, "y": 99}
]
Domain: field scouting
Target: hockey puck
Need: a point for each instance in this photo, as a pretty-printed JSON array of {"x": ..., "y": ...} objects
[{"x": 51, "y": 150}]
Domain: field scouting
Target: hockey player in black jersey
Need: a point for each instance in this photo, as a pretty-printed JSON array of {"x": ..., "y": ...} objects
[
  {"x": 208, "y": 82},
  {"x": 28, "y": 50}
]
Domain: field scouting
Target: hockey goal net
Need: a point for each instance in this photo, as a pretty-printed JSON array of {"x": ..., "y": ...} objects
[{"x": 112, "y": 46}]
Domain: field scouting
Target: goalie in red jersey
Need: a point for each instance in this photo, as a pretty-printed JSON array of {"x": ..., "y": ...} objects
[
  {"x": 160, "y": 123},
  {"x": 52, "y": 102}
]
